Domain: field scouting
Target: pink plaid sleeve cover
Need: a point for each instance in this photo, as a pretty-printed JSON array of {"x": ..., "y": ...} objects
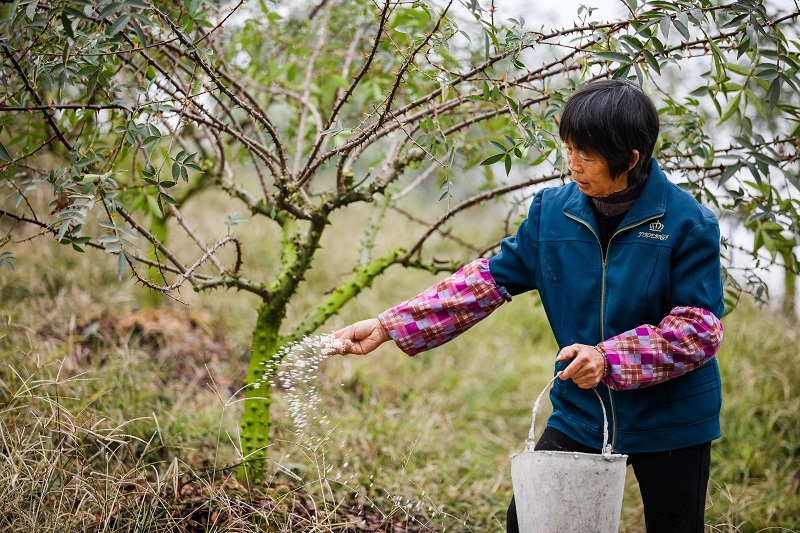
[
  {"x": 445, "y": 310},
  {"x": 647, "y": 355}
]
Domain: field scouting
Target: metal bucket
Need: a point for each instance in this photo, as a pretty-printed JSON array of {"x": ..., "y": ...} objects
[{"x": 568, "y": 491}]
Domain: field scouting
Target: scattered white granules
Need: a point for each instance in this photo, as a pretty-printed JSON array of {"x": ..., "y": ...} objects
[
  {"x": 296, "y": 368},
  {"x": 297, "y": 365}
]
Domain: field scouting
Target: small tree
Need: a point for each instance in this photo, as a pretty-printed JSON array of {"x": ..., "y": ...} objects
[{"x": 119, "y": 109}]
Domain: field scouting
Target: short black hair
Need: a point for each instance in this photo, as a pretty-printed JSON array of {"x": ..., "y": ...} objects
[{"x": 612, "y": 118}]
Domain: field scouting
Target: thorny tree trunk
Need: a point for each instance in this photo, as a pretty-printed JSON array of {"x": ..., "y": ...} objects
[{"x": 256, "y": 421}]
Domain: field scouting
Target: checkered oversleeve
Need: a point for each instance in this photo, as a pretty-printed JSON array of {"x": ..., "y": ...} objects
[{"x": 445, "y": 310}]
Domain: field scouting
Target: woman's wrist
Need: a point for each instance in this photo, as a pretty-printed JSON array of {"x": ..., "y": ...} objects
[
  {"x": 607, "y": 370},
  {"x": 383, "y": 331}
]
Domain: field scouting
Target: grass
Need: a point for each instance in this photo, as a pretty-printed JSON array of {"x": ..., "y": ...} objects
[{"x": 119, "y": 419}]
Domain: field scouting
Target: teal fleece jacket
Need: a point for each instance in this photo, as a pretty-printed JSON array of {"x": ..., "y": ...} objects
[{"x": 664, "y": 254}]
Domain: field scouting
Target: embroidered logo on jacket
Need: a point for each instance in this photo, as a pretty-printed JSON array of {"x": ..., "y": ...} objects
[{"x": 655, "y": 232}]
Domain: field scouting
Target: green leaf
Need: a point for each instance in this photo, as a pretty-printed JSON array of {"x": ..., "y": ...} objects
[
  {"x": 755, "y": 101},
  {"x": 76, "y": 14},
  {"x": 774, "y": 93},
  {"x": 731, "y": 108},
  {"x": 30, "y": 11},
  {"x": 744, "y": 46},
  {"x": 137, "y": 28},
  {"x": 614, "y": 56},
  {"x": 658, "y": 45},
  {"x": 665, "y": 24},
  {"x": 150, "y": 141},
  {"x": 652, "y": 61},
  {"x": 167, "y": 198},
  {"x": 7, "y": 259},
  {"x": 122, "y": 266},
  {"x": 663, "y": 4},
  {"x": 4, "y": 155},
  {"x": 758, "y": 239},
  {"x": 65, "y": 22},
  {"x": 792, "y": 178},
  {"x": 735, "y": 22},
  {"x": 493, "y": 159},
  {"x": 768, "y": 73},
  {"x": 682, "y": 28},
  {"x": 769, "y": 243},
  {"x": 109, "y": 10},
  {"x": 728, "y": 173},
  {"x": 632, "y": 41},
  {"x": 119, "y": 24},
  {"x": 508, "y": 163},
  {"x": 127, "y": 232},
  {"x": 738, "y": 69}
]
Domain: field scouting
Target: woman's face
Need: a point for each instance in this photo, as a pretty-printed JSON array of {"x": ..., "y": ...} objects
[{"x": 592, "y": 175}]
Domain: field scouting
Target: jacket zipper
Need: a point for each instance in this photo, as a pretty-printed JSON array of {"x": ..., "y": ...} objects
[{"x": 612, "y": 406}]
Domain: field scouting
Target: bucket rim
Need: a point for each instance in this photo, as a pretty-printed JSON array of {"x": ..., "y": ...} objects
[{"x": 611, "y": 457}]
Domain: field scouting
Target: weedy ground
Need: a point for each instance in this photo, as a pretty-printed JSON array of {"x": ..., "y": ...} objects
[{"x": 118, "y": 418}]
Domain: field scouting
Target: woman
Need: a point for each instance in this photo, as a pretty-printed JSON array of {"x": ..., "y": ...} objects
[{"x": 627, "y": 266}]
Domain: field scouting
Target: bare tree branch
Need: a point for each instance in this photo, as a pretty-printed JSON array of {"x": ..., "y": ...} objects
[
  {"x": 310, "y": 168},
  {"x": 251, "y": 109},
  {"x": 301, "y": 127}
]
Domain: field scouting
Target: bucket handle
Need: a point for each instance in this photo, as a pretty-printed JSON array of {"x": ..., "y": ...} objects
[{"x": 530, "y": 442}]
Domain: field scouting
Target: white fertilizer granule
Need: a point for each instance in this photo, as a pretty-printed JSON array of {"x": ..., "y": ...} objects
[{"x": 297, "y": 366}]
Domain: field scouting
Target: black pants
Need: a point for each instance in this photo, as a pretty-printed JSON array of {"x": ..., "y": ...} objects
[{"x": 673, "y": 484}]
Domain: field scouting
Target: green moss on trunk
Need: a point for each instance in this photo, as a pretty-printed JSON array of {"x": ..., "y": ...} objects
[{"x": 256, "y": 420}]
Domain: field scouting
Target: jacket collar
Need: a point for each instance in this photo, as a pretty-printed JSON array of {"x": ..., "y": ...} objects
[{"x": 652, "y": 201}]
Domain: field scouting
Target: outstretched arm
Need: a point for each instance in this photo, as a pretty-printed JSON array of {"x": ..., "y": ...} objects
[{"x": 433, "y": 317}]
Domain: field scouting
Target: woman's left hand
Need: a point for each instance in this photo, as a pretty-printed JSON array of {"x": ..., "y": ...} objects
[{"x": 588, "y": 366}]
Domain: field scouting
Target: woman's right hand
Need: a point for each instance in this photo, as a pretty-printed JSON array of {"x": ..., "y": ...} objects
[{"x": 362, "y": 337}]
